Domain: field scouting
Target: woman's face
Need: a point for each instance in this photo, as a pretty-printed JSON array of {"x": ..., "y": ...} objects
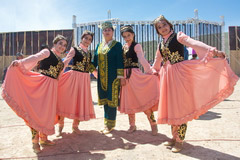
[
  {"x": 60, "y": 46},
  {"x": 128, "y": 37},
  {"x": 87, "y": 40},
  {"x": 108, "y": 33},
  {"x": 163, "y": 28}
]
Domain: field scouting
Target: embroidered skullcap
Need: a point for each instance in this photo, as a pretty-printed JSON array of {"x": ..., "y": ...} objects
[
  {"x": 106, "y": 24},
  {"x": 126, "y": 28}
]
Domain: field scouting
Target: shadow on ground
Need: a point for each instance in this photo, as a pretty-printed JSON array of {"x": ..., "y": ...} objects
[
  {"x": 210, "y": 116},
  {"x": 90, "y": 145},
  {"x": 90, "y": 142},
  {"x": 199, "y": 152},
  {"x": 232, "y": 100}
]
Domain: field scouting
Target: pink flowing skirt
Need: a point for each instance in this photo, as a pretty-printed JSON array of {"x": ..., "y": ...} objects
[
  {"x": 74, "y": 96},
  {"x": 140, "y": 93},
  {"x": 32, "y": 96},
  {"x": 190, "y": 88}
]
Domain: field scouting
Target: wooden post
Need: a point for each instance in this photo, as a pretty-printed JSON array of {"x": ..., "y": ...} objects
[
  {"x": 4, "y": 49},
  {"x": 234, "y": 42},
  {"x": 235, "y": 61}
]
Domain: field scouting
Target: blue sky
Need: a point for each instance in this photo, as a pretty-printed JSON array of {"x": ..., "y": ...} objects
[{"x": 27, "y": 15}]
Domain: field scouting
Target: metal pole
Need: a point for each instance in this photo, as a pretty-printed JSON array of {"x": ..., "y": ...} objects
[
  {"x": 196, "y": 23},
  {"x": 153, "y": 41},
  {"x": 74, "y": 26},
  {"x": 223, "y": 36},
  {"x": 4, "y": 49},
  {"x": 148, "y": 53},
  {"x": 142, "y": 36}
]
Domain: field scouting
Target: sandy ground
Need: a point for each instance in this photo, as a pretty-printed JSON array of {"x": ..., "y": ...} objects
[{"x": 214, "y": 136}]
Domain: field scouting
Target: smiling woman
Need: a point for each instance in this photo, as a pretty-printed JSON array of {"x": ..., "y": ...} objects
[
  {"x": 74, "y": 89},
  {"x": 138, "y": 85},
  {"x": 109, "y": 60},
  {"x": 33, "y": 95},
  {"x": 188, "y": 89}
]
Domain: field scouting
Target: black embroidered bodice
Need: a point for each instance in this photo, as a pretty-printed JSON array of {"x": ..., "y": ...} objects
[
  {"x": 51, "y": 66},
  {"x": 130, "y": 58},
  {"x": 82, "y": 60},
  {"x": 172, "y": 50}
]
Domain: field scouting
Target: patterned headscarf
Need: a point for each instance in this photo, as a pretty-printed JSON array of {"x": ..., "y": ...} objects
[{"x": 126, "y": 28}]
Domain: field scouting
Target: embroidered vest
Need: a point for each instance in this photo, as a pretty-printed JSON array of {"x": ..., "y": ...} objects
[
  {"x": 81, "y": 60},
  {"x": 172, "y": 50},
  {"x": 130, "y": 58},
  {"x": 51, "y": 66}
]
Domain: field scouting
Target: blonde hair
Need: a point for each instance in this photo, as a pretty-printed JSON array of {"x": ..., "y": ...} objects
[
  {"x": 161, "y": 18},
  {"x": 58, "y": 38}
]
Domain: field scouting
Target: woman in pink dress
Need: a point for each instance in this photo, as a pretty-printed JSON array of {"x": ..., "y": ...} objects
[
  {"x": 32, "y": 95},
  {"x": 188, "y": 89},
  {"x": 74, "y": 93},
  {"x": 139, "y": 93}
]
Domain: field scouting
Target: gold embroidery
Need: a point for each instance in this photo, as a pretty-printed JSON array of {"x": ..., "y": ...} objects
[
  {"x": 109, "y": 123},
  {"x": 152, "y": 117},
  {"x": 34, "y": 133},
  {"x": 182, "y": 131},
  {"x": 120, "y": 72},
  {"x": 115, "y": 95},
  {"x": 54, "y": 71},
  {"x": 84, "y": 65},
  {"x": 79, "y": 66},
  {"x": 103, "y": 64},
  {"x": 128, "y": 61},
  {"x": 91, "y": 67},
  {"x": 173, "y": 57}
]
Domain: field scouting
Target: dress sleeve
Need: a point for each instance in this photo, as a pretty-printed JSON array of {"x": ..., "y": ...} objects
[
  {"x": 69, "y": 56},
  {"x": 141, "y": 58},
  {"x": 200, "y": 47},
  {"x": 157, "y": 62},
  {"x": 31, "y": 61}
]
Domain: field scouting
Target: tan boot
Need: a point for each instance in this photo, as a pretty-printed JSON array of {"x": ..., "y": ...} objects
[
  {"x": 132, "y": 129},
  {"x": 44, "y": 140},
  {"x": 47, "y": 143},
  {"x": 106, "y": 130},
  {"x": 76, "y": 130},
  {"x": 170, "y": 143},
  {"x": 177, "y": 147},
  {"x": 59, "y": 131},
  {"x": 102, "y": 129},
  {"x": 152, "y": 121},
  {"x": 154, "y": 129},
  {"x": 36, "y": 148}
]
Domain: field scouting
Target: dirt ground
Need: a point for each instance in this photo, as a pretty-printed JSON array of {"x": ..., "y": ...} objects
[{"x": 214, "y": 136}]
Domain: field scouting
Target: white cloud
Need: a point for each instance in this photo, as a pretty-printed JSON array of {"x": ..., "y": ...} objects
[{"x": 28, "y": 15}]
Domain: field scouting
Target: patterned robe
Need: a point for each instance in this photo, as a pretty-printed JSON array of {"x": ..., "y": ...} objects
[{"x": 110, "y": 67}]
